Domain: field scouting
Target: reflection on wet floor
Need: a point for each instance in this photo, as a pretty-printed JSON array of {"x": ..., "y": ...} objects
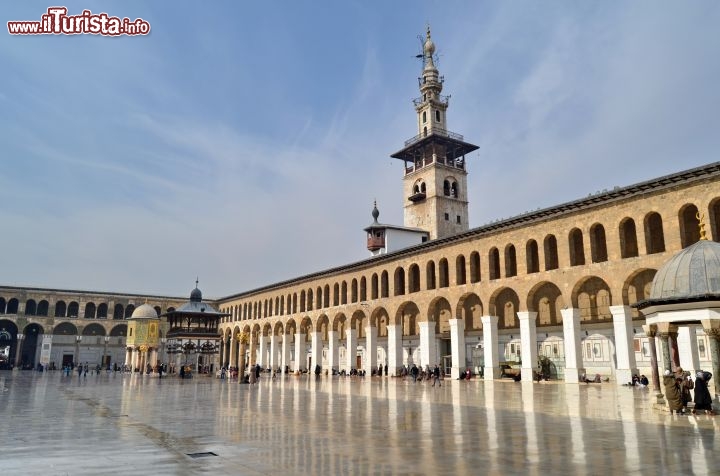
[{"x": 112, "y": 424}]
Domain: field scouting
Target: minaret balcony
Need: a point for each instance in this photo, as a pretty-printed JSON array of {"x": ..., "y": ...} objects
[
  {"x": 434, "y": 131},
  {"x": 375, "y": 243},
  {"x": 417, "y": 197}
]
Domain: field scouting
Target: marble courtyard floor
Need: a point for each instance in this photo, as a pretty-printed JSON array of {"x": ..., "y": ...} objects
[{"x": 123, "y": 424}]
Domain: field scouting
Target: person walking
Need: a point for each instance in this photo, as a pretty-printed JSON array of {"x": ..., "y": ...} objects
[
  {"x": 703, "y": 400},
  {"x": 414, "y": 372},
  {"x": 436, "y": 376},
  {"x": 672, "y": 392}
]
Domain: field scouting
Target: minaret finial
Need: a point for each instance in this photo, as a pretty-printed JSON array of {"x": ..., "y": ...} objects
[
  {"x": 196, "y": 281},
  {"x": 375, "y": 211},
  {"x": 701, "y": 224}
]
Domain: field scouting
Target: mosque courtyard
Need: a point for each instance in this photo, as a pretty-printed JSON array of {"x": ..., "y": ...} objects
[{"x": 122, "y": 424}]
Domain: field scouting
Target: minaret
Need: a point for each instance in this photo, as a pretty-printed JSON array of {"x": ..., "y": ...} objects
[{"x": 435, "y": 179}]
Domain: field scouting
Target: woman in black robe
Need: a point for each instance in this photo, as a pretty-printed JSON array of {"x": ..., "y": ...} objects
[{"x": 703, "y": 400}]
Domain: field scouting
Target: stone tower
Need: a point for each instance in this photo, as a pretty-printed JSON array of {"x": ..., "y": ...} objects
[{"x": 435, "y": 178}]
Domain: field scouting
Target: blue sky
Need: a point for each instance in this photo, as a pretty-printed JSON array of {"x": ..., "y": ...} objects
[{"x": 245, "y": 142}]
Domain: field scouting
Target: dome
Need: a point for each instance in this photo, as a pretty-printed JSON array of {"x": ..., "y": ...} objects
[
  {"x": 146, "y": 311},
  {"x": 195, "y": 295},
  {"x": 429, "y": 46},
  {"x": 693, "y": 272}
]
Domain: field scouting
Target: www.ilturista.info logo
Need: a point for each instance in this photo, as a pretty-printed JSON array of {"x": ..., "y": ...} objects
[{"x": 57, "y": 22}]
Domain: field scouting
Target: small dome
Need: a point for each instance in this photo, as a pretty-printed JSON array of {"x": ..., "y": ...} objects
[
  {"x": 694, "y": 271},
  {"x": 146, "y": 311},
  {"x": 375, "y": 212},
  {"x": 195, "y": 295},
  {"x": 429, "y": 46}
]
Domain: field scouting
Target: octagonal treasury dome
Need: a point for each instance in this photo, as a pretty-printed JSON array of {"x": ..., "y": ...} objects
[
  {"x": 692, "y": 273},
  {"x": 146, "y": 311}
]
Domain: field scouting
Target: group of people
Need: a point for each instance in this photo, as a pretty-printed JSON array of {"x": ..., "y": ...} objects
[{"x": 677, "y": 391}]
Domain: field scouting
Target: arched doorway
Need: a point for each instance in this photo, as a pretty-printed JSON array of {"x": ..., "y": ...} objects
[
  {"x": 29, "y": 354},
  {"x": 8, "y": 344}
]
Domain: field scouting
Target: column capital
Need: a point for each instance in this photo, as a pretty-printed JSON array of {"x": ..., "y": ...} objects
[
  {"x": 487, "y": 320},
  {"x": 621, "y": 311},
  {"x": 20, "y": 336},
  {"x": 712, "y": 332},
  {"x": 526, "y": 315},
  {"x": 650, "y": 330}
]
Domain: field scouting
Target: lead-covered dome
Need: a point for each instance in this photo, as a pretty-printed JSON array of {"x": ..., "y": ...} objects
[
  {"x": 693, "y": 272},
  {"x": 146, "y": 311}
]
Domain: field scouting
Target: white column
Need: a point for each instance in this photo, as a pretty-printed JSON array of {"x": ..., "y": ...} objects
[
  {"x": 457, "y": 347},
  {"x": 370, "y": 360},
  {"x": 333, "y": 351},
  {"x": 624, "y": 350},
  {"x": 285, "y": 352},
  {"x": 490, "y": 347},
  {"x": 263, "y": 360},
  {"x": 273, "y": 352},
  {"x": 571, "y": 336},
  {"x": 394, "y": 349},
  {"x": 528, "y": 344},
  {"x": 299, "y": 351},
  {"x": 351, "y": 336},
  {"x": 316, "y": 350},
  {"x": 128, "y": 357},
  {"x": 688, "y": 348},
  {"x": 427, "y": 344}
]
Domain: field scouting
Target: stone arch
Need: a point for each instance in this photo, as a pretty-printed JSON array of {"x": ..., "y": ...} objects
[
  {"x": 654, "y": 234},
  {"x": 592, "y": 296},
  {"x": 494, "y": 263},
  {"x": 357, "y": 322},
  {"x": 267, "y": 329},
  {"x": 551, "y": 252},
  {"x": 505, "y": 304},
  {"x": 32, "y": 333},
  {"x": 430, "y": 282},
  {"x": 532, "y": 261},
  {"x": 34, "y": 329},
  {"x": 374, "y": 293},
  {"x": 460, "y": 272},
  {"x": 637, "y": 287},
  {"x": 443, "y": 273},
  {"x": 65, "y": 329},
  {"x": 290, "y": 326},
  {"x": 628, "y": 238},
  {"x": 2, "y": 305},
  {"x": 598, "y": 243},
  {"x": 30, "y": 307},
  {"x": 336, "y": 294},
  {"x": 470, "y": 310},
  {"x": 119, "y": 330},
  {"x": 90, "y": 310},
  {"x": 414, "y": 278},
  {"x": 714, "y": 218},
  {"x": 102, "y": 311},
  {"x": 475, "y": 275},
  {"x": 407, "y": 316},
  {"x": 363, "y": 289},
  {"x": 399, "y": 281},
  {"x": 380, "y": 319},
  {"x": 339, "y": 323},
  {"x": 60, "y": 309},
  {"x": 305, "y": 325},
  {"x": 10, "y": 327},
  {"x": 577, "y": 250},
  {"x": 129, "y": 309},
  {"x": 12, "y": 306},
  {"x": 322, "y": 323},
  {"x": 354, "y": 290},
  {"x": 689, "y": 228},
  {"x": 546, "y": 299},
  {"x": 510, "y": 261},
  {"x": 384, "y": 285},
  {"x": 440, "y": 312},
  {"x": 93, "y": 330},
  {"x": 278, "y": 329}
]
